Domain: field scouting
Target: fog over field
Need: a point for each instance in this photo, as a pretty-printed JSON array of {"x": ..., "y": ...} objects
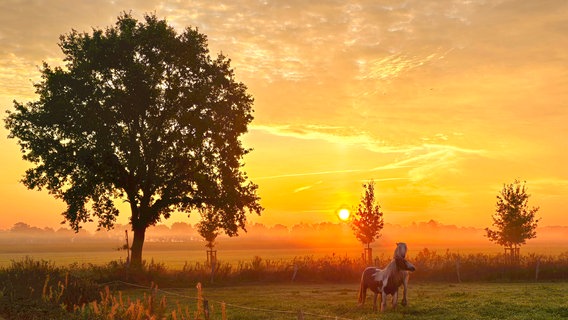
[{"x": 23, "y": 237}]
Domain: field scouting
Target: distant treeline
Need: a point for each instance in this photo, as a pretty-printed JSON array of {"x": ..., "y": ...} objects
[{"x": 258, "y": 236}]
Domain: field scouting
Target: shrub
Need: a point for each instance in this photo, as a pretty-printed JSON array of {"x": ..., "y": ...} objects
[{"x": 33, "y": 287}]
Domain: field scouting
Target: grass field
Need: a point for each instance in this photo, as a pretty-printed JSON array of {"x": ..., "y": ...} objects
[
  {"x": 175, "y": 255},
  {"x": 324, "y": 289},
  {"x": 339, "y": 301}
]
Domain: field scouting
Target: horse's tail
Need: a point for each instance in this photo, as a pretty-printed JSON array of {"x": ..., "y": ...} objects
[{"x": 362, "y": 291}]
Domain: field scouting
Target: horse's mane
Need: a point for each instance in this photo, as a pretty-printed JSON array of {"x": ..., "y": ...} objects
[
  {"x": 382, "y": 274},
  {"x": 399, "y": 253}
]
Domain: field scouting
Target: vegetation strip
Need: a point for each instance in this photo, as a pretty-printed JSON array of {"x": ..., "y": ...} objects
[{"x": 227, "y": 304}]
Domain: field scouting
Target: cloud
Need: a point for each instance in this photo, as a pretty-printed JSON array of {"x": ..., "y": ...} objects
[
  {"x": 17, "y": 75},
  {"x": 423, "y": 91},
  {"x": 343, "y": 135},
  {"x": 391, "y": 66},
  {"x": 305, "y": 174},
  {"x": 304, "y": 188},
  {"x": 412, "y": 162}
]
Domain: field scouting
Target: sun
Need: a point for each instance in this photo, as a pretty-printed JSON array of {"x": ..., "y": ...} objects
[{"x": 343, "y": 214}]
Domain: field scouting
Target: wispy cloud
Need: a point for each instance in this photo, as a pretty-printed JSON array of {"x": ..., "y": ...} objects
[
  {"x": 343, "y": 135},
  {"x": 331, "y": 134},
  {"x": 391, "y": 66},
  {"x": 305, "y": 174},
  {"x": 419, "y": 91},
  {"x": 304, "y": 188}
]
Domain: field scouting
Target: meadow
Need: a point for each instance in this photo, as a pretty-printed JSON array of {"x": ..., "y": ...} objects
[
  {"x": 339, "y": 301},
  {"x": 176, "y": 255},
  {"x": 308, "y": 287}
]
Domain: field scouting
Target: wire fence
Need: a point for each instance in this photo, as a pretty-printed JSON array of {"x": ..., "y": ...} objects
[{"x": 205, "y": 303}]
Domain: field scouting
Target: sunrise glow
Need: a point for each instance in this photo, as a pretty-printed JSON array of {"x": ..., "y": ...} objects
[
  {"x": 343, "y": 214},
  {"x": 439, "y": 103}
]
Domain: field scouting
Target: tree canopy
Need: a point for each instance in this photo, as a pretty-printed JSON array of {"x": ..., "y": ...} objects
[
  {"x": 514, "y": 222},
  {"x": 208, "y": 227},
  {"x": 368, "y": 221},
  {"x": 143, "y": 114}
]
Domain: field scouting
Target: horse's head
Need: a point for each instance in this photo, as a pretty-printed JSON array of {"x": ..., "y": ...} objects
[
  {"x": 404, "y": 265},
  {"x": 400, "y": 251},
  {"x": 400, "y": 258}
]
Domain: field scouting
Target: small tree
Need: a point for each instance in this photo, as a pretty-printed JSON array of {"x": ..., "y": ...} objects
[
  {"x": 367, "y": 221},
  {"x": 209, "y": 228},
  {"x": 514, "y": 221}
]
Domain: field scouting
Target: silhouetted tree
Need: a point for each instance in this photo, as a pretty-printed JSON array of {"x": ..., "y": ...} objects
[
  {"x": 209, "y": 226},
  {"x": 143, "y": 114},
  {"x": 514, "y": 222},
  {"x": 367, "y": 221}
]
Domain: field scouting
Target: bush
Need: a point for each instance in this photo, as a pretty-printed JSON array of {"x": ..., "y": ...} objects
[
  {"x": 431, "y": 266},
  {"x": 30, "y": 289}
]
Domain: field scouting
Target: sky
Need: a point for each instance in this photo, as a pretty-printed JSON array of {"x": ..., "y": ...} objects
[{"x": 439, "y": 102}]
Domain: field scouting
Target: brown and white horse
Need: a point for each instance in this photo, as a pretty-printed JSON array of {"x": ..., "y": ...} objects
[{"x": 387, "y": 281}]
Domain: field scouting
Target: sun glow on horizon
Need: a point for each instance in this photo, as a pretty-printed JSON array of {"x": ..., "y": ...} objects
[
  {"x": 439, "y": 124},
  {"x": 343, "y": 214}
]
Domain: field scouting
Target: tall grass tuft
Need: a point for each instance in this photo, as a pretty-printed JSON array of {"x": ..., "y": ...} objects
[{"x": 37, "y": 286}]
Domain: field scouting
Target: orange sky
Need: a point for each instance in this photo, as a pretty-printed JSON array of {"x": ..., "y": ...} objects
[{"x": 440, "y": 102}]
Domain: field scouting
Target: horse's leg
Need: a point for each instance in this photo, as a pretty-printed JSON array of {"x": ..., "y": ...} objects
[
  {"x": 395, "y": 299},
  {"x": 362, "y": 294},
  {"x": 405, "y": 285},
  {"x": 383, "y": 300},
  {"x": 375, "y": 301}
]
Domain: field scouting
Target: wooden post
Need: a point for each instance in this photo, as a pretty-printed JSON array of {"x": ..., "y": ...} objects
[
  {"x": 458, "y": 268},
  {"x": 212, "y": 261},
  {"x": 368, "y": 254},
  {"x": 295, "y": 272},
  {"x": 213, "y": 266},
  {"x": 300, "y": 315},
  {"x": 199, "y": 300},
  {"x": 223, "y": 311},
  {"x": 127, "y": 249},
  {"x": 537, "y": 270},
  {"x": 211, "y": 256},
  {"x": 206, "y": 309}
]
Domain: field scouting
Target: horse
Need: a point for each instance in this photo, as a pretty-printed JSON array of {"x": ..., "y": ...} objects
[
  {"x": 368, "y": 282},
  {"x": 387, "y": 281}
]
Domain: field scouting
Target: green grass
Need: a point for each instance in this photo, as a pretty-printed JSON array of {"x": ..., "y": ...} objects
[
  {"x": 426, "y": 301},
  {"x": 324, "y": 288}
]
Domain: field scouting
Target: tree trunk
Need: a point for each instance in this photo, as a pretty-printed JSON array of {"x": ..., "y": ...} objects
[{"x": 137, "y": 244}]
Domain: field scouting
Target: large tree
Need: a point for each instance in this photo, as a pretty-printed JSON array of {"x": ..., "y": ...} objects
[
  {"x": 514, "y": 222},
  {"x": 141, "y": 113},
  {"x": 367, "y": 221}
]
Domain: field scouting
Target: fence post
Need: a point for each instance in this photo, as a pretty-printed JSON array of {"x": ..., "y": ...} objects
[
  {"x": 300, "y": 315},
  {"x": 213, "y": 266},
  {"x": 223, "y": 311},
  {"x": 206, "y": 309},
  {"x": 199, "y": 300},
  {"x": 458, "y": 268},
  {"x": 537, "y": 269},
  {"x": 295, "y": 272}
]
